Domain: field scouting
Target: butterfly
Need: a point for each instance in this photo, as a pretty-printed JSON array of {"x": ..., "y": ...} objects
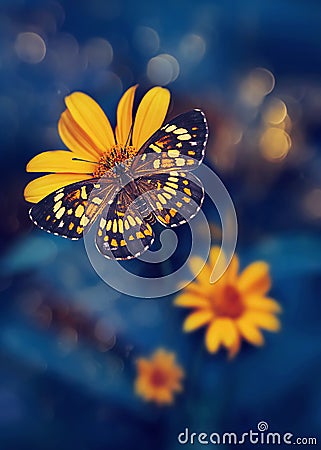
[{"x": 154, "y": 185}]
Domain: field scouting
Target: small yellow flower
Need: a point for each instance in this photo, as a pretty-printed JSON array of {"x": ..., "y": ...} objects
[
  {"x": 87, "y": 133},
  {"x": 236, "y": 307},
  {"x": 159, "y": 377}
]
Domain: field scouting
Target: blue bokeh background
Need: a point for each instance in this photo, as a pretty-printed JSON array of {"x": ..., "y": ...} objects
[{"x": 68, "y": 342}]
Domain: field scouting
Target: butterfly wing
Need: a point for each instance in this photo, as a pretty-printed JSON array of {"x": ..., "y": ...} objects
[
  {"x": 180, "y": 144},
  {"x": 174, "y": 198},
  {"x": 123, "y": 233},
  {"x": 70, "y": 210}
]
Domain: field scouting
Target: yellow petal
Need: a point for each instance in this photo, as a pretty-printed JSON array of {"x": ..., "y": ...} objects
[
  {"x": 75, "y": 138},
  {"x": 255, "y": 279},
  {"x": 229, "y": 332},
  {"x": 143, "y": 388},
  {"x": 163, "y": 358},
  {"x": 91, "y": 118},
  {"x": 150, "y": 115},
  {"x": 235, "y": 347},
  {"x": 59, "y": 161},
  {"x": 197, "y": 320},
  {"x": 259, "y": 303},
  {"x": 176, "y": 374},
  {"x": 215, "y": 251},
  {"x": 39, "y": 188},
  {"x": 190, "y": 301},
  {"x": 223, "y": 331},
  {"x": 213, "y": 336},
  {"x": 200, "y": 270},
  {"x": 263, "y": 320},
  {"x": 233, "y": 269},
  {"x": 176, "y": 386},
  {"x": 217, "y": 264},
  {"x": 163, "y": 396},
  {"x": 125, "y": 115},
  {"x": 250, "y": 332},
  {"x": 195, "y": 289},
  {"x": 143, "y": 366}
]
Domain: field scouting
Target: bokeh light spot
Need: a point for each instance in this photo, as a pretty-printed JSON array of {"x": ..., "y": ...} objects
[
  {"x": 275, "y": 144},
  {"x": 286, "y": 124},
  {"x": 312, "y": 203},
  {"x": 99, "y": 53},
  {"x": 146, "y": 40},
  {"x": 30, "y": 47},
  {"x": 275, "y": 111},
  {"x": 105, "y": 334},
  {"x": 163, "y": 69},
  {"x": 256, "y": 85},
  {"x": 68, "y": 339},
  {"x": 192, "y": 48}
]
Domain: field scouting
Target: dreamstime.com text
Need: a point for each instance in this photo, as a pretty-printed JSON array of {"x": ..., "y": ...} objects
[{"x": 260, "y": 436}]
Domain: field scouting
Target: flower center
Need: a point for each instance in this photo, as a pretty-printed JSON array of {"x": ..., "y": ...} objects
[
  {"x": 158, "y": 378},
  {"x": 229, "y": 303},
  {"x": 115, "y": 155}
]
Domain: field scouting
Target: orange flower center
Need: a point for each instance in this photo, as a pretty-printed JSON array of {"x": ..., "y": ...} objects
[
  {"x": 115, "y": 155},
  {"x": 229, "y": 303},
  {"x": 158, "y": 378}
]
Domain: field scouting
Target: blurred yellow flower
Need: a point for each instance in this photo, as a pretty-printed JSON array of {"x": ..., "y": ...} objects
[
  {"x": 86, "y": 131},
  {"x": 236, "y": 307},
  {"x": 159, "y": 377}
]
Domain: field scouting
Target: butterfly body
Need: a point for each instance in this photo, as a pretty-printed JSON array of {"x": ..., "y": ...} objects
[{"x": 132, "y": 189}]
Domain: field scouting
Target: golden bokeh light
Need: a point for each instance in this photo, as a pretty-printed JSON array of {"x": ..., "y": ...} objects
[
  {"x": 258, "y": 83},
  {"x": 275, "y": 111},
  {"x": 286, "y": 124},
  {"x": 275, "y": 144}
]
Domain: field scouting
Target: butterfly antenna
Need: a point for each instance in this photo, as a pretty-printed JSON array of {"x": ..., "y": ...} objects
[
  {"x": 85, "y": 160},
  {"x": 129, "y": 135}
]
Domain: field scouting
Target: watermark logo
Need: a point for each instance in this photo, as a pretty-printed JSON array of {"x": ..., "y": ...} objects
[
  {"x": 262, "y": 426},
  {"x": 117, "y": 273},
  {"x": 262, "y": 435}
]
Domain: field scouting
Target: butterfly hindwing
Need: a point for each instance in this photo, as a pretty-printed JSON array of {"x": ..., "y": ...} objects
[
  {"x": 178, "y": 145},
  {"x": 122, "y": 232},
  {"x": 174, "y": 198}
]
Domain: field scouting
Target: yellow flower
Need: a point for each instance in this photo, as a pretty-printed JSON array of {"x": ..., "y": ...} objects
[
  {"x": 86, "y": 131},
  {"x": 159, "y": 377},
  {"x": 236, "y": 307}
]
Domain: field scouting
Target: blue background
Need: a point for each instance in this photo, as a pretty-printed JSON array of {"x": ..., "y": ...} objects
[{"x": 60, "y": 386}]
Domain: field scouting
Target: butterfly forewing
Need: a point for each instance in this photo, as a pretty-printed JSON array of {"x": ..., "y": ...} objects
[
  {"x": 72, "y": 209},
  {"x": 178, "y": 145}
]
